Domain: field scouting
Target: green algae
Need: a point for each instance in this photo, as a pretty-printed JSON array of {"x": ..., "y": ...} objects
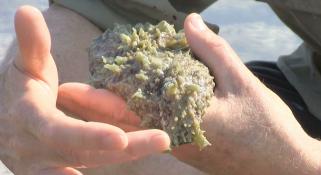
[{"x": 151, "y": 67}]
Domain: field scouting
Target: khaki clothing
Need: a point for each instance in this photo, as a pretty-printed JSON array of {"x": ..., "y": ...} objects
[
  {"x": 302, "y": 68},
  {"x": 105, "y": 13}
]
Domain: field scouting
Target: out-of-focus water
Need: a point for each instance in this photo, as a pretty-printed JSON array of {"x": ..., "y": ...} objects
[{"x": 250, "y": 27}]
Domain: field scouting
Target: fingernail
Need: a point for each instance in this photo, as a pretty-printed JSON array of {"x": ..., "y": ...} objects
[{"x": 198, "y": 22}]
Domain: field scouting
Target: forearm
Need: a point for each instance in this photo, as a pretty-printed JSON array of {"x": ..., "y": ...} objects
[{"x": 282, "y": 146}]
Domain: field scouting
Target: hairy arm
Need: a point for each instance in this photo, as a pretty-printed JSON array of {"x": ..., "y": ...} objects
[
  {"x": 251, "y": 128},
  {"x": 254, "y": 146}
]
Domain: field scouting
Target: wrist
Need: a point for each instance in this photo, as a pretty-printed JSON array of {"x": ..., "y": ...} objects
[
  {"x": 285, "y": 151},
  {"x": 292, "y": 151},
  {"x": 310, "y": 151},
  {"x": 296, "y": 153}
]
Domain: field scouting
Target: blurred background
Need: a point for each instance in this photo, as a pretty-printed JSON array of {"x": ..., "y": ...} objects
[{"x": 251, "y": 27}]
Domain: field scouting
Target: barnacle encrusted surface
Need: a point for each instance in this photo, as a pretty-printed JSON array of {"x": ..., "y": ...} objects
[{"x": 152, "y": 68}]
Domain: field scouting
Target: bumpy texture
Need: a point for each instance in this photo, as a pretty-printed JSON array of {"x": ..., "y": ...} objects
[{"x": 152, "y": 68}]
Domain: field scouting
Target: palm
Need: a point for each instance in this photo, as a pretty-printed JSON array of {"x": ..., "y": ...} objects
[{"x": 38, "y": 138}]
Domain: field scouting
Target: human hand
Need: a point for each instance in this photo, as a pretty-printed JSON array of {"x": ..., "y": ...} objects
[
  {"x": 38, "y": 138},
  {"x": 251, "y": 129}
]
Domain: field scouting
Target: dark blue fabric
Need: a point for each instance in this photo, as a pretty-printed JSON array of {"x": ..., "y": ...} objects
[{"x": 273, "y": 78}]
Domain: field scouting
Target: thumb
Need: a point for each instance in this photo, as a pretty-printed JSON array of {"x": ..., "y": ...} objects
[
  {"x": 33, "y": 37},
  {"x": 215, "y": 52}
]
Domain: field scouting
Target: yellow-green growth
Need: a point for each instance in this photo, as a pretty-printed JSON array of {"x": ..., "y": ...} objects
[
  {"x": 199, "y": 138},
  {"x": 142, "y": 59},
  {"x": 141, "y": 76},
  {"x": 138, "y": 94},
  {"x": 113, "y": 68},
  {"x": 171, "y": 89},
  {"x": 125, "y": 39},
  {"x": 191, "y": 88},
  {"x": 151, "y": 67},
  {"x": 121, "y": 60}
]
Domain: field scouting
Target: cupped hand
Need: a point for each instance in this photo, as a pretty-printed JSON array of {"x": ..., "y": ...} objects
[
  {"x": 251, "y": 129},
  {"x": 38, "y": 138}
]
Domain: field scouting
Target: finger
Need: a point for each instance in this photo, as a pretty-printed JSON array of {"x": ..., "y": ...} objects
[
  {"x": 216, "y": 53},
  {"x": 66, "y": 132},
  {"x": 93, "y": 104},
  {"x": 145, "y": 142},
  {"x": 141, "y": 143},
  {"x": 60, "y": 171},
  {"x": 34, "y": 43}
]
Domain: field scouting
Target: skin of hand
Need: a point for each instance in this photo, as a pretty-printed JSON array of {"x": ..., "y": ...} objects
[
  {"x": 38, "y": 138},
  {"x": 251, "y": 129}
]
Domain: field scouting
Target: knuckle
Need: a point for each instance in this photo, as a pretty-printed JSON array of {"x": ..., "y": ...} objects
[{"x": 252, "y": 85}]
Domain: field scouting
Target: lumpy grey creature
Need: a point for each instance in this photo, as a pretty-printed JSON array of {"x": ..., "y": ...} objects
[{"x": 151, "y": 67}]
